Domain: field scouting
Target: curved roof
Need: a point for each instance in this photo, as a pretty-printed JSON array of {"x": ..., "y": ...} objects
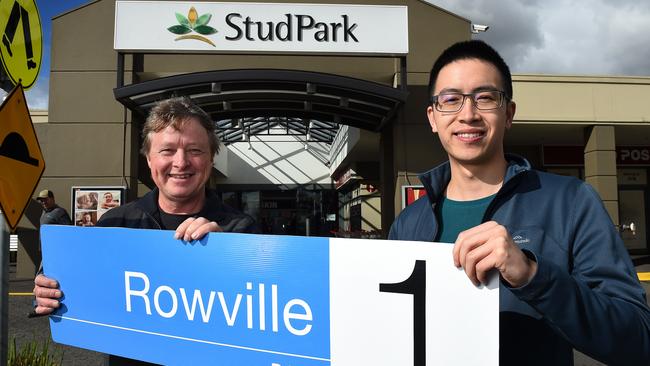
[{"x": 267, "y": 96}]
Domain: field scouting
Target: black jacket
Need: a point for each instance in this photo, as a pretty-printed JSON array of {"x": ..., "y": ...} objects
[{"x": 145, "y": 214}]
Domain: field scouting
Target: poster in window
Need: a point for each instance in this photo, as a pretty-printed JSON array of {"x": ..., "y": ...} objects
[{"x": 90, "y": 203}]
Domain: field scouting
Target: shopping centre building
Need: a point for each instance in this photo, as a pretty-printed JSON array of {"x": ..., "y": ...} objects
[{"x": 320, "y": 108}]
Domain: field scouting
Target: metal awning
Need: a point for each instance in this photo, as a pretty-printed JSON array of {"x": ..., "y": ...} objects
[
  {"x": 241, "y": 129},
  {"x": 252, "y": 101}
]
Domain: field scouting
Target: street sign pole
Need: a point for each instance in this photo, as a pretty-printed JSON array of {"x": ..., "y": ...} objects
[{"x": 4, "y": 288}]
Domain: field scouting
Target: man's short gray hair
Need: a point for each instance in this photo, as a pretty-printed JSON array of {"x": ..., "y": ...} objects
[{"x": 175, "y": 112}]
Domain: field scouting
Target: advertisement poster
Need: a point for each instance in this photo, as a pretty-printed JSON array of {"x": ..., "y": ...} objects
[
  {"x": 90, "y": 203},
  {"x": 410, "y": 194}
]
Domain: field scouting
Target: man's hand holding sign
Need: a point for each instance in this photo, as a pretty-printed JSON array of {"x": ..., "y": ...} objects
[
  {"x": 47, "y": 292},
  {"x": 489, "y": 246}
]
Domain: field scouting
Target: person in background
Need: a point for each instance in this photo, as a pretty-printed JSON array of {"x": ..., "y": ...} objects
[
  {"x": 179, "y": 144},
  {"x": 53, "y": 214},
  {"x": 566, "y": 279}
]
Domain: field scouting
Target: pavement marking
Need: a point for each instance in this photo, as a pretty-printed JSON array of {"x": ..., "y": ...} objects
[
  {"x": 21, "y": 294},
  {"x": 644, "y": 276}
]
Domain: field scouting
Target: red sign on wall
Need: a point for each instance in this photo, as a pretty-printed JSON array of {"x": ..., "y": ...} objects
[{"x": 411, "y": 193}]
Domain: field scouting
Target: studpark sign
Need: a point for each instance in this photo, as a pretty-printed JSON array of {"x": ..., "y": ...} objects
[
  {"x": 171, "y": 26},
  {"x": 241, "y": 299}
]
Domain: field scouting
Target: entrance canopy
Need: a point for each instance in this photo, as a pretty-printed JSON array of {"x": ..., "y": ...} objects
[{"x": 251, "y": 101}]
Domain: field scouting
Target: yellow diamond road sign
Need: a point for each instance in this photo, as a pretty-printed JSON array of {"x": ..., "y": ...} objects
[
  {"x": 21, "y": 160},
  {"x": 21, "y": 46}
]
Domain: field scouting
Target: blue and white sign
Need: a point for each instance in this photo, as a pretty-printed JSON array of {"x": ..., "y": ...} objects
[{"x": 241, "y": 299}]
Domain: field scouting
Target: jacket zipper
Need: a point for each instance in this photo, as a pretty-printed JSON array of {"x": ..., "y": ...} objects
[{"x": 488, "y": 212}]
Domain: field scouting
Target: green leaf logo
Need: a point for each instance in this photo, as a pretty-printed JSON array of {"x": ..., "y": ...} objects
[{"x": 193, "y": 23}]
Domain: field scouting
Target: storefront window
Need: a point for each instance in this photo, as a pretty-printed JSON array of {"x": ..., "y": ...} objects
[{"x": 301, "y": 211}]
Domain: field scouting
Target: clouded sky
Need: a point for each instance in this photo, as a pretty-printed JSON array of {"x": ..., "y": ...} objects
[
  {"x": 569, "y": 37},
  {"x": 601, "y": 37}
]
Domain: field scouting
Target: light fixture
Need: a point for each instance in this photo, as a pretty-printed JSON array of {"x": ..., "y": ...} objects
[{"x": 478, "y": 28}]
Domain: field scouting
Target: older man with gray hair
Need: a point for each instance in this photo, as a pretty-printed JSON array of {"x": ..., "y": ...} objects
[{"x": 179, "y": 144}]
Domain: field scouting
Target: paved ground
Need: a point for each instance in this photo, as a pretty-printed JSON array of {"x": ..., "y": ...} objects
[{"x": 25, "y": 329}]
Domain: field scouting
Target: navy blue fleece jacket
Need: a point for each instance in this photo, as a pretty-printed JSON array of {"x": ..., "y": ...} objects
[{"x": 585, "y": 294}]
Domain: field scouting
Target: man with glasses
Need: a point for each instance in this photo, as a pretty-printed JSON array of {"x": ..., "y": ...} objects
[{"x": 566, "y": 280}]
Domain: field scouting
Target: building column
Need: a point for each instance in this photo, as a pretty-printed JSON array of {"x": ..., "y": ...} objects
[
  {"x": 600, "y": 166},
  {"x": 387, "y": 177}
]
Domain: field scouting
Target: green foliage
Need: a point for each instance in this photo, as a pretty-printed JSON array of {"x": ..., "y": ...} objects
[{"x": 32, "y": 354}]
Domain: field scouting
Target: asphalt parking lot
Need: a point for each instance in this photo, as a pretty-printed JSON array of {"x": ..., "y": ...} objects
[{"x": 24, "y": 329}]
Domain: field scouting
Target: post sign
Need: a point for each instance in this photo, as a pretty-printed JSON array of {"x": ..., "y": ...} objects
[
  {"x": 633, "y": 155},
  {"x": 243, "y": 299},
  {"x": 22, "y": 45},
  {"x": 21, "y": 161},
  {"x": 182, "y": 26}
]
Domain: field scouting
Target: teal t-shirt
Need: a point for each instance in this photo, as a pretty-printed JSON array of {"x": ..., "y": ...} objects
[{"x": 455, "y": 217}]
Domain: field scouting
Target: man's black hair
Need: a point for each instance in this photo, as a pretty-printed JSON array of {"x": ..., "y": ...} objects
[{"x": 473, "y": 49}]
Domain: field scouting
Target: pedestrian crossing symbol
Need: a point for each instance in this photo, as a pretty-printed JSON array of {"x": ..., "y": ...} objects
[{"x": 21, "y": 46}]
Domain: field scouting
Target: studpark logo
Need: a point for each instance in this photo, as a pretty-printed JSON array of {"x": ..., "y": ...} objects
[
  {"x": 193, "y": 23},
  {"x": 182, "y": 26}
]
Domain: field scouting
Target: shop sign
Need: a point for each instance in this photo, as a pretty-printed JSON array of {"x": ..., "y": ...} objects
[
  {"x": 243, "y": 299},
  {"x": 279, "y": 204},
  {"x": 563, "y": 156},
  {"x": 633, "y": 155},
  {"x": 637, "y": 177},
  {"x": 574, "y": 155},
  {"x": 175, "y": 26},
  {"x": 344, "y": 178}
]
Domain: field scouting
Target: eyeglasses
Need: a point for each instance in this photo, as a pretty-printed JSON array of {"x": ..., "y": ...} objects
[{"x": 484, "y": 100}]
